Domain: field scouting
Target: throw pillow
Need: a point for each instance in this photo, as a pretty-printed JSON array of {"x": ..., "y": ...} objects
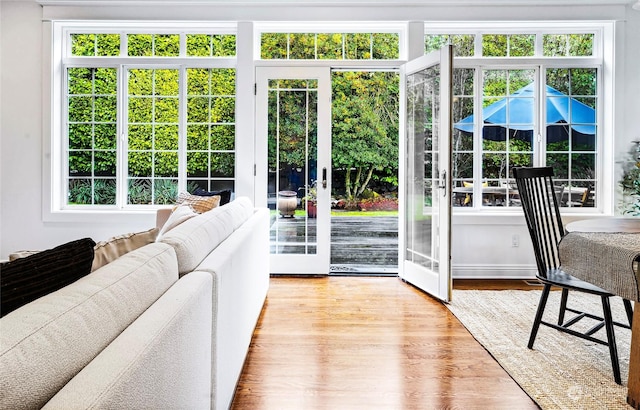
[
  {"x": 113, "y": 248},
  {"x": 27, "y": 279},
  {"x": 180, "y": 214},
  {"x": 20, "y": 254},
  {"x": 199, "y": 204},
  {"x": 225, "y": 195}
]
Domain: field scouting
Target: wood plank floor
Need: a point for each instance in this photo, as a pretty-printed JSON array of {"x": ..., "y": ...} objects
[{"x": 367, "y": 343}]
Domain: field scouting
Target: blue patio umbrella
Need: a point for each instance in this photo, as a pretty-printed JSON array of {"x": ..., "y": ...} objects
[{"x": 517, "y": 111}]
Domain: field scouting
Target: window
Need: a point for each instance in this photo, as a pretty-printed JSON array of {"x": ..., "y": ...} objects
[
  {"x": 538, "y": 97},
  {"x": 330, "y": 46},
  {"x": 147, "y": 113}
]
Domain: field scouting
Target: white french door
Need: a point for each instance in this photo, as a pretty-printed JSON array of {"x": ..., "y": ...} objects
[
  {"x": 293, "y": 165},
  {"x": 425, "y": 189}
]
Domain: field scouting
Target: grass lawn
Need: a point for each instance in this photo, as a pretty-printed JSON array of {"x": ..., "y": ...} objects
[
  {"x": 364, "y": 213},
  {"x": 301, "y": 213}
]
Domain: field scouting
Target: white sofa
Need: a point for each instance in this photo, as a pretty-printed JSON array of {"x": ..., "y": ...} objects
[{"x": 166, "y": 326}]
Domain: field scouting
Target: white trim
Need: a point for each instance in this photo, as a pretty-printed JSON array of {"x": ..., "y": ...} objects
[
  {"x": 332, "y": 3},
  {"x": 245, "y": 111},
  {"x": 330, "y": 27},
  {"x": 56, "y": 39},
  {"x": 493, "y": 271}
]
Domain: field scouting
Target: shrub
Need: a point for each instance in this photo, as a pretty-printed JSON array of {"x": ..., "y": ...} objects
[{"x": 379, "y": 204}]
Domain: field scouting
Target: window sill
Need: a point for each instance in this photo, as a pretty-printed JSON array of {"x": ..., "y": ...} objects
[
  {"x": 98, "y": 216},
  {"x": 513, "y": 217}
]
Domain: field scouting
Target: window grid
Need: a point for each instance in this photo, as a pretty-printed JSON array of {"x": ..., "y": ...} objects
[
  {"x": 475, "y": 157},
  {"x": 497, "y": 44},
  {"x": 210, "y": 137},
  {"x": 92, "y": 134},
  {"x": 149, "y": 165},
  {"x": 329, "y": 46}
]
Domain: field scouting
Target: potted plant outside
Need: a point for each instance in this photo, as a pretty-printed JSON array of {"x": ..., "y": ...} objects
[{"x": 311, "y": 200}]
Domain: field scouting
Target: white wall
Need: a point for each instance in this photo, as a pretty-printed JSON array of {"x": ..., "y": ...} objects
[{"x": 481, "y": 246}]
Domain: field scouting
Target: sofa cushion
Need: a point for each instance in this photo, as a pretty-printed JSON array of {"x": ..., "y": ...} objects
[
  {"x": 113, "y": 248},
  {"x": 241, "y": 210},
  {"x": 48, "y": 341},
  {"x": 195, "y": 238},
  {"x": 199, "y": 204},
  {"x": 26, "y": 279}
]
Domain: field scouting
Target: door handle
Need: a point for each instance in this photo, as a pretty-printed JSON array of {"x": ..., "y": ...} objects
[
  {"x": 324, "y": 178},
  {"x": 443, "y": 182}
]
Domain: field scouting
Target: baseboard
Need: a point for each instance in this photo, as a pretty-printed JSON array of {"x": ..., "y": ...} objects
[{"x": 485, "y": 271}]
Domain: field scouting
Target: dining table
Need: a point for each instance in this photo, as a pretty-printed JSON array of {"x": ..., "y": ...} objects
[{"x": 606, "y": 252}]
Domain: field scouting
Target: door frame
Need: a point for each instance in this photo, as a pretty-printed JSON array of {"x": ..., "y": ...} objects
[{"x": 318, "y": 263}]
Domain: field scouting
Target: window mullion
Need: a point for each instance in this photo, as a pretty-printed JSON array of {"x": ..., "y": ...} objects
[
  {"x": 122, "y": 168},
  {"x": 540, "y": 134},
  {"x": 182, "y": 131}
]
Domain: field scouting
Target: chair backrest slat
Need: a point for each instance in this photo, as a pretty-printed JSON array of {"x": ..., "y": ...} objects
[{"x": 539, "y": 198}]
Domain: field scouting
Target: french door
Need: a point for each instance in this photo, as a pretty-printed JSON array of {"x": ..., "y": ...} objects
[
  {"x": 293, "y": 165},
  {"x": 425, "y": 189}
]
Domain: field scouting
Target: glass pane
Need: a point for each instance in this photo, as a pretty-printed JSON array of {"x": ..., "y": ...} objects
[
  {"x": 210, "y": 124},
  {"x": 292, "y": 165},
  {"x": 555, "y": 45},
  {"x": 330, "y": 46},
  {"x": 104, "y": 191},
  {"x": 358, "y": 46},
  {"x": 302, "y": 46},
  {"x": 507, "y": 132},
  {"x": 153, "y": 132},
  {"x": 571, "y": 129},
  {"x": 581, "y": 44},
  {"x": 494, "y": 45},
  {"x": 274, "y": 46},
  {"x": 91, "y": 134},
  {"x": 80, "y": 192},
  {"x": 522, "y": 45},
  {"x": 386, "y": 46},
  {"x": 422, "y": 168}
]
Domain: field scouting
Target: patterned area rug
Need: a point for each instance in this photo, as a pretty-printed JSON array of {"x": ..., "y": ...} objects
[{"x": 561, "y": 371}]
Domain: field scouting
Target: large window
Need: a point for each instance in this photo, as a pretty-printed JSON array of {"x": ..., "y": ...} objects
[
  {"x": 146, "y": 114},
  {"x": 524, "y": 99}
]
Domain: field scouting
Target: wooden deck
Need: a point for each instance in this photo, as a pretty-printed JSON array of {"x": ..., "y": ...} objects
[{"x": 359, "y": 244}]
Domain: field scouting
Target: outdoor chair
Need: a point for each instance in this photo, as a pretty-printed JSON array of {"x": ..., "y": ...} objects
[{"x": 541, "y": 211}]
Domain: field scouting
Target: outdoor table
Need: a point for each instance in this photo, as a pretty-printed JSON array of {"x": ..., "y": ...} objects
[
  {"x": 493, "y": 195},
  {"x": 605, "y": 252}
]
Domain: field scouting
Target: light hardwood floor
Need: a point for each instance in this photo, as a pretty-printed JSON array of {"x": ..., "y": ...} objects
[{"x": 367, "y": 343}]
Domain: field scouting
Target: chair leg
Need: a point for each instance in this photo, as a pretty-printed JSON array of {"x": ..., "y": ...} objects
[
  {"x": 629, "y": 310},
  {"x": 536, "y": 323},
  {"x": 563, "y": 306},
  {"x": 611, "y": 339}
]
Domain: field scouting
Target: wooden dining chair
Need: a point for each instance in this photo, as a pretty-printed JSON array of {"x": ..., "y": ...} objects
[{"x": 542, "y": 214}]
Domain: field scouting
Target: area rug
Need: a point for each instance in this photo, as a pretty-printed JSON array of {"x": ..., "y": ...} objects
[{"x": 561, "y": 371}]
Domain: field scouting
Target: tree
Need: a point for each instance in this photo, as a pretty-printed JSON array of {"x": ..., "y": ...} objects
[{"x": 365, "y": 129}]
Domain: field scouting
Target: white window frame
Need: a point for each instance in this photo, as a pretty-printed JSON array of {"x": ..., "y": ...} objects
[
  {"x": 602, "y": 59},
  {"x": 55, "y": 164}
]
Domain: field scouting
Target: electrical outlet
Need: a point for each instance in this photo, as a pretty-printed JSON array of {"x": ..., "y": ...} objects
[{"x": 515, "y": 241}]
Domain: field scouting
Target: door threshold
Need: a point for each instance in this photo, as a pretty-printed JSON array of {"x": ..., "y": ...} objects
[{"x": 361, "y": 270}]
